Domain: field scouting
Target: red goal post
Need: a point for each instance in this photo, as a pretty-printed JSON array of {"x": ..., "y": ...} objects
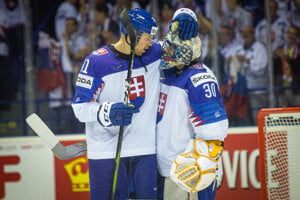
[{"x": 279, "y": 147}]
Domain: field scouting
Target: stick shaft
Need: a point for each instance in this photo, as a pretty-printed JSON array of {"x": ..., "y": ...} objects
[
  {"x": 128, "y": 26},
  {"x": 121, "y": 131}
]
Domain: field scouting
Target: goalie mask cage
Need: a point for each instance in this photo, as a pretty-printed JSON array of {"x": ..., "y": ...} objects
[{"x": 279, "y": 146}]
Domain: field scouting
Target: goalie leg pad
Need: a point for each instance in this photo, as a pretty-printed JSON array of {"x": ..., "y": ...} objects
[{"x": 196, "y": 169}]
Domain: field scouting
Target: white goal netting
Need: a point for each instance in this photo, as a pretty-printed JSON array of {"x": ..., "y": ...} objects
[{"x": 279, "y": 135}]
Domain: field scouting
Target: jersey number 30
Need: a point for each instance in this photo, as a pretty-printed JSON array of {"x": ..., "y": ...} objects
[{"x": 210, "y": 90}]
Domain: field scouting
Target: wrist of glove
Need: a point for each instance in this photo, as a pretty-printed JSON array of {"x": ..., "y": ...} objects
[
  {"x": 116, "y": 114},
  {"x": 188, "y": 26}
]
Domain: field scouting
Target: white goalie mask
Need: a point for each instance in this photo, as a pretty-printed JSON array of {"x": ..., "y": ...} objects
[
  {"x": 178, "y": 52},
  {"x": 196, "y": 168}
]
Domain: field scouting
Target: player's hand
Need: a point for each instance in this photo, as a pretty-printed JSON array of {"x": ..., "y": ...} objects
[
  {"x": 116, "y": 114},
  {"x": 188, "y": 26}
]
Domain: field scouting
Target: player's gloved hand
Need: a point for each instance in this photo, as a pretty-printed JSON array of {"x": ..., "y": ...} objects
[
  {"x": 116, "y": 114},
  {"x": 188, "y": 25}
]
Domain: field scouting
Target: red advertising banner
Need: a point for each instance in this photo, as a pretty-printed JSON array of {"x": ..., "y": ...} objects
[
  {"x": 29, "y": 170},
  {"x": 71, "y": 177},
  {"x": 6, "y": 177},
  {"x": 240, "y": 168}
]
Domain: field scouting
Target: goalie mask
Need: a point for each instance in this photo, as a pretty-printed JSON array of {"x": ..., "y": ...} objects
[{"x": 177, "y": 52}]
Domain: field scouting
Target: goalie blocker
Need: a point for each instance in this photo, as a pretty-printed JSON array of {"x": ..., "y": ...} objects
[{"x": 196, "y": 168}]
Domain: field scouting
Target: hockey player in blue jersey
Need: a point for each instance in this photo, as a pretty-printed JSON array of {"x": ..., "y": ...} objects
[
  {"x": 192, "y": 122},
  {"x": 98, "y": 102}
]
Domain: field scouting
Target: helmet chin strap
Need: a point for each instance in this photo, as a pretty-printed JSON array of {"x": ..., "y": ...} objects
[{"x": 136, "y": 41}]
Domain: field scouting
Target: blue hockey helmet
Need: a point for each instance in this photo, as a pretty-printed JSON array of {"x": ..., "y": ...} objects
[{"x": 141, "y": 21}]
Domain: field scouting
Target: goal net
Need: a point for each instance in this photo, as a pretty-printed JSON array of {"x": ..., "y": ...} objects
[{"x": 279, "y": 146}]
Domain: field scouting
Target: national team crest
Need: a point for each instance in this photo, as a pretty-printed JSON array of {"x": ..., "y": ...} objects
[
  {"x": 137, "y": 91},
  {"x": 161, "y": 105},
  {"x": 100, "y": 51}
]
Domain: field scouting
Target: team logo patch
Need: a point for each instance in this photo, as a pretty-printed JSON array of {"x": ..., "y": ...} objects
[
  {"x": 100, "y": 51},
  {"x": 137, "y": 90},
  {"x": 161, "y": 105},
  {"x": 84, "y": 81},
  {"x": 200, "y": 78},
  {"x": 198, "y": 65},
  {"x": 154, "y": 30}
]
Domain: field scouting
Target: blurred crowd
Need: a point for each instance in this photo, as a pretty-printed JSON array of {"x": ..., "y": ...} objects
[{"x": 235, "y": 42}]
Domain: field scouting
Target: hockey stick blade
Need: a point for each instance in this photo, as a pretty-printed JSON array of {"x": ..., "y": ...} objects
[{"x": 43, "y": 131}]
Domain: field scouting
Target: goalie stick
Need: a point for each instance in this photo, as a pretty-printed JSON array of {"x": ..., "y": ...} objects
[
  {"x": 126, "y": 20},
  {"x": 60, "y": 151}
]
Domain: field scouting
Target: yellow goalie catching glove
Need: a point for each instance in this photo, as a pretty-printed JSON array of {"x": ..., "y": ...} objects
[{"x": 196, "y": 168}]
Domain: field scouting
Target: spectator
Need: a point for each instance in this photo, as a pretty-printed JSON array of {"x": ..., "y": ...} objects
[
  {"x": 65, "y": 10},
  {"x": 13, "y": 19},
  {"x": 233, "y": 88},
  {"x": 295, "y": 13},
  {"x": 227, "y": 47},
  {"x": 186, "y": 4},
  {"x": 4, "y": 63},
  {"x": 256, "y": 9},
  {"x": 74, "y": 48},
  {"x": 232, "y": 14},
  {"x": 51, "y": 79},
  {"x": 77, "y": 45},
  {"x": 107, "y": 30},
  {"x": 206, "y": 38},
  {"x": 227, "y": 43},
  {"x": 278, "y": 28},
  {"x": 286, "y": 67},
  {"x": 166, "y": 14},
  {"x": 123, "y": 4},
  {"x": 283, "y": 10},
  {"x": 86, "y": 14},
  {"x": 253, "y": 56}
]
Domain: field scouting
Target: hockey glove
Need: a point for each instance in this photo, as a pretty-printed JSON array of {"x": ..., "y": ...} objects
[
  {"x": 116, "y": 114},
  {"x": 188, "y": 26},
  {"x": 196, "y": 168}
]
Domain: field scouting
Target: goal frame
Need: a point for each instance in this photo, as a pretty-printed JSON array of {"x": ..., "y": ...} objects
[{"x": 262, "y": 152}]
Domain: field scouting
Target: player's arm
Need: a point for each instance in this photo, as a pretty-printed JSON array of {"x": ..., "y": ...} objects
[
  {"x": 208, "y": 116},
  {"x": 86, "y": 106}
]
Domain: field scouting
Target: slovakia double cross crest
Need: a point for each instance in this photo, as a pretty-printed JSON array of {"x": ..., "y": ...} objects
[{"x": 137, "y": 90}]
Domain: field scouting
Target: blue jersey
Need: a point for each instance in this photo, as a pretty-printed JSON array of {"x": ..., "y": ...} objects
[
  {"x": 102, "y": 79},
  {"x": 190, "y": 106}
]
